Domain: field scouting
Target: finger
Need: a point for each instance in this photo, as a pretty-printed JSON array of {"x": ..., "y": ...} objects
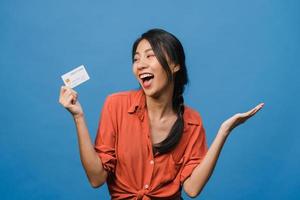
[
  {"x": 253, "y": 111},
  {"x": 68, "y": 92},
  {"x": 74, "y": 100},
  {"x": 61, "y": 95},
  {"x": 260, "y": 106},
  {"x": 257, "y": 108},
  {"x": 70, "y": 100},
  {"x": 63, "y": 89},
  {"x": 248, "y": 113}
]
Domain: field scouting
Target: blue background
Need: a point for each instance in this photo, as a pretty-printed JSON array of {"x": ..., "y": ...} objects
[{"x": 239, "y": 53}]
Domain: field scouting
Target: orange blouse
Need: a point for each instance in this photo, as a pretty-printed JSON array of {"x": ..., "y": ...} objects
[{"x": 124, "y": 146}]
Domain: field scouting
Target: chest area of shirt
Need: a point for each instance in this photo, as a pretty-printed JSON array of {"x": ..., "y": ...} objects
[{"x": 136, "y": 137}]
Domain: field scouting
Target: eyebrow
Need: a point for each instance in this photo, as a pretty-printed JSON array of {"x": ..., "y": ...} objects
[{"x": 150, "y": 49}]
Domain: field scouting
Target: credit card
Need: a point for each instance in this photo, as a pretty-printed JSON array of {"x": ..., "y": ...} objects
[{"x": 75, "y": 77}]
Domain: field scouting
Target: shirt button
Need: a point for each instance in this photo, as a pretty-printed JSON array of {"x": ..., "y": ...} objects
[
  {"x": 151, "y": 162},
  {"x": 146, "y": 186}
]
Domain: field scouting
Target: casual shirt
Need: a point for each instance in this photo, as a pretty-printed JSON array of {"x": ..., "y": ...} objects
[{"x": 124, "y": 146}]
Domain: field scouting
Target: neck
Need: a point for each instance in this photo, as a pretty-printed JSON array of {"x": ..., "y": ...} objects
[{"x": 161, "y": 106}]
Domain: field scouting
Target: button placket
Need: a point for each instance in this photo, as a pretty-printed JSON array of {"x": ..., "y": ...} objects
[{"x": 150, "y": 157}]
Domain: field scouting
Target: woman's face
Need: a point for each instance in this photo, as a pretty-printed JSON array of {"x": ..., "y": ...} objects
[{"x": 149, "y": 72}]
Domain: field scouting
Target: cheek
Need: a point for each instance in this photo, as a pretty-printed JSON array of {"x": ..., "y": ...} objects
[
  {"x": 162, "y": 77},
  {"x": 134, "y": 70}
]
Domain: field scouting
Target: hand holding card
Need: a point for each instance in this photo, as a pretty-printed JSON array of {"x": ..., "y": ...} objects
[{"x": 68, "y": 97}]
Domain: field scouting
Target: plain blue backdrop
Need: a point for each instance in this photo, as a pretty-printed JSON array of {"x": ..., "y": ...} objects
[{"x": 239, "y": 53}]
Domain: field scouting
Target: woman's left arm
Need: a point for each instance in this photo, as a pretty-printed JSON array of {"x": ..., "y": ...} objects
[{"x": 201, "y": 174}]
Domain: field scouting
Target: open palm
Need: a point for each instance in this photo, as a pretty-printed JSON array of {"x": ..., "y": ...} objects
[{"x": 240, "y": 118}]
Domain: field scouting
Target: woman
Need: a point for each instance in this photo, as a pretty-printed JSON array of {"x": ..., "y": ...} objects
[{"x": 149, "y": 144}]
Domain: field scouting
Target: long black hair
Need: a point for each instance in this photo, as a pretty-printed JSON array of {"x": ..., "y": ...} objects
[{"x": 166, "y": 45}]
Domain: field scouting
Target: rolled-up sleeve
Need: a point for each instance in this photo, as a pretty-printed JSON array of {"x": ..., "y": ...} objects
[
  {"x": 195, "y": 152},
  {"x": 106, "y": 137}
]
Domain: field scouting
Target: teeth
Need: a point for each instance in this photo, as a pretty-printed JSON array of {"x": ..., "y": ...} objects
[{"x": 145, "y": 75}]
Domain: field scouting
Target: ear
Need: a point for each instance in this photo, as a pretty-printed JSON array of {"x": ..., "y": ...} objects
[{"x": 176, "y": 68}]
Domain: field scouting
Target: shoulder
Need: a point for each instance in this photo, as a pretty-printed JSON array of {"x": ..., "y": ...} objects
[
  {"x": 122, "y": 95},
  {"x": 122, "y": 99},
  {"x": 191, "y": 116}
]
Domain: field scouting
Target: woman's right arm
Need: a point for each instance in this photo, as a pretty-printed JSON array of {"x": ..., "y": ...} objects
[{"x": 90, "y": 160}]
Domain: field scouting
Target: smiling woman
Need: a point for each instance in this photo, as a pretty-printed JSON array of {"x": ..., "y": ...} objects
[
  {"x": 149, "y": 144},
  {"x": 168, "y": 78}
]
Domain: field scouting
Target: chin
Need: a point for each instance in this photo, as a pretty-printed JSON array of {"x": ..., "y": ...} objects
[
  {"x": 149, "y": 92},
  {"x": 153, "y": 93},
  {"x": 156, "y": 90}
]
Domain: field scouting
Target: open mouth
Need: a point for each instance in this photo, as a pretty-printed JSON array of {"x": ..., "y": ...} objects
[{"x": 146, "y": 79}]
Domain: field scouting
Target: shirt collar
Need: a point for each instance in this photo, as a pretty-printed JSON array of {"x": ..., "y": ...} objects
[
  {"x": 190, "y": 118},
  {"x": 139, "y": 103}
]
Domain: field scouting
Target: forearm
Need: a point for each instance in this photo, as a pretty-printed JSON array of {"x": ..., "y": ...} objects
[
  {"x": 89, "y": 158},
  {"x": 195, "y": 183},
  {"x": 201, "y": 174}
]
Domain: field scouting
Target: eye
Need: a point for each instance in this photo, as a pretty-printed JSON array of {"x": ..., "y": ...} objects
[
  {"x": 135, "y": 59},
  {"x": 150, "y": 55}
]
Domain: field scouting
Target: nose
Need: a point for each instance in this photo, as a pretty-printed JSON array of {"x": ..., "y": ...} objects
[{"x": 141, "y": 64}]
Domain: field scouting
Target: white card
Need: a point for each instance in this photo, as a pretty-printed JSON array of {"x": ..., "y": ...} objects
[{"x": 75, "y": 77}]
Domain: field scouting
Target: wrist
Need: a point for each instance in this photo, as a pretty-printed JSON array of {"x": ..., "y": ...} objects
[
  {"x": 78, "y": 116},
  {"x": 223, "y": 131}
]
